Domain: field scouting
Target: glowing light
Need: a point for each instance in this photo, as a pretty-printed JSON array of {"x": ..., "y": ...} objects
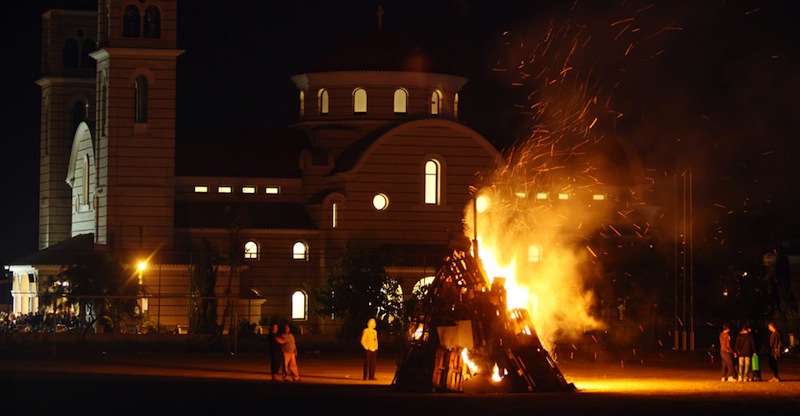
[
  {"x": 482, "y": 203},
  {"x": 417, "y": 334},
  {"x": 142, "y": 266},
  {"x": 473, "y": 368},
  {"x": 496, "y": 374}
]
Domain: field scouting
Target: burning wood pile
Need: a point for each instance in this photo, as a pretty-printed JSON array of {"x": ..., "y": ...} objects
[{"x": 463, "y": 338}]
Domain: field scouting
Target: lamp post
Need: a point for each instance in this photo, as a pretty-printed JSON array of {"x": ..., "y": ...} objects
[
  {"x": 141, "y": 267},
  {"x": 158, "y": 321}
]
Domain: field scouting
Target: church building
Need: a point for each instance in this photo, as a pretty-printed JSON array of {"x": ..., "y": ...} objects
[{"x": 378, "y": 160}]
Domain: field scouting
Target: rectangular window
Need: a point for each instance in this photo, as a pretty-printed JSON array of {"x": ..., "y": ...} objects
[
  {"x": 201, "y": 189},
  {"x": 248, "y": 189},
  {"x": 224, "y": 189},
  {"x": 599, "y": 197},
  {"x": 273, "y": 190},
  {"x": 334, "y": 215},
  {"x": 541, "y": 195},
  {"x": 86, "y": 180},
  {"x": 563, "y": 196}
]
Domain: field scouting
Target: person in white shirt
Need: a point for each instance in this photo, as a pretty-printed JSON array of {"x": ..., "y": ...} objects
[{"x": 369, "y": 340}]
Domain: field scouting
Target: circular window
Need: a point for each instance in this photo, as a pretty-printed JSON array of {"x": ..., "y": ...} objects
[{"x": 380, "y": 202}]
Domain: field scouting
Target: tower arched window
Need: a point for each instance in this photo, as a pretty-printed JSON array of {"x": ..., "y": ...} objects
[
  {"x": 400, "y": 101},
  {"x": 88, "y": 47},
  {"x": 323, "y": 102},
  {"x": 299, "y": 305},
  {"x": 455, "y": 106},
  {"x": 131, "y": 22},
  {"x": 302, "y": 104},
  {"x": 300, "y": 251},
  {"x": 432, "y": 182},
  {"x": 359, "y": 101},
  {"x": 152, "y": 22},
  {"x": 70, "y": 54},
  {"x": 78, "y": 113},
  {"x": 436, "y": 102},
  {"x": 251, "y": 250},
  {"x": 140, "y": 97}
]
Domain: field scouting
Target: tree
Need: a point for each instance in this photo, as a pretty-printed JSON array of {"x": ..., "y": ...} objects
[
  {"x": 203, "y": 301},
  {"x": 357, "y": 289},
  {"x": 104, "y": 290}
]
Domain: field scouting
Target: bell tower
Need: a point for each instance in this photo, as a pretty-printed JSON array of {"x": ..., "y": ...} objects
[
  {"x": 67, "y": 99},
  {"x": 135, "y": 145}
]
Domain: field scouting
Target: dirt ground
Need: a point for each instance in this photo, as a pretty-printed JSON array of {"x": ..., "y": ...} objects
[{"x": 666, "y": 383}]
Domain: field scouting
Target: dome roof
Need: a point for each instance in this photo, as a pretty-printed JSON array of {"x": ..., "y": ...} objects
[{"x": 379, "y": 51}]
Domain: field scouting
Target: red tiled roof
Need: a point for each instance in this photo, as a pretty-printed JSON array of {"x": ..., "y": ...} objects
[{"x": 59, "y": 254}]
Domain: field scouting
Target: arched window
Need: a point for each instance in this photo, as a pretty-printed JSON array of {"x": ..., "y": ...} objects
[
  {"x": 78, "y": 113},
  {"x": 323, "y": 102},
  {"x": 334, "y": 215},
  {"x": 400, "y": 101},
  {"x": 85, "y": 181},
  {"x": 131, "y": 22},
  {"x": 302, "y": 104},
  {"x": 300, "y": 251},
  {"x": 251, "y": 250},
  {"x": 70, "y": 54},
  {"x": 455, "y": 106},
  {"x": 436, "y": 102},
  {"x": 432, "y": 182},
  {"x": 422, "y": 286},
  {"x": 140, "y": 97},
  {"x": 152, "y": 22},
  {"x": 299, "y": 305},
  {"x": 359, "y": 101},
  {"x": 88, "y": 47}
]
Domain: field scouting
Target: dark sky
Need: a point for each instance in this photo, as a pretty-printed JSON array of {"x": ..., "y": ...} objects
[{"x": 712, "y": 85}]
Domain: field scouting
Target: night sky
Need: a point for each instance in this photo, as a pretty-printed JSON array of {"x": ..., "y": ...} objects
[{"x": 707, "y": 85}]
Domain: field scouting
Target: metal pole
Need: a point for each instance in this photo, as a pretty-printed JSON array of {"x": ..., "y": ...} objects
[
  {"x": 691, "y": 264},
  {"x": 676, "y": 333},
  {"x": 55, "y": 301},
  {"x": 159, "y": 297},
  {"x": 475, "y": 226},
  {"x": 683, "y": 257}
]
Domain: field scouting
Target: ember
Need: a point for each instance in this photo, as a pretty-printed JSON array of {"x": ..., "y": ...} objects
[{"x": 463, "y": 338}]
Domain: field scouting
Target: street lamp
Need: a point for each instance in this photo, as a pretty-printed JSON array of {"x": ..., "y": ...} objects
[{"x": 141, "y": 267}]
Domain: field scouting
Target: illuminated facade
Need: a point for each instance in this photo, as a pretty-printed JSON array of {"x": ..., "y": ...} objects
[{"x": 377, "y": 160}]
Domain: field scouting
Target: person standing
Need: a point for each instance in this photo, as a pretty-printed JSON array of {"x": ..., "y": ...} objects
[
  {"x": 275, "y": 353},
  {"x": 745, "y": 347},
  {"x": 369, "y": 340},
  {"x": 289, "y": 348},
  {"x": 774, "y": 350},
  {"x": 726, "y": 353}
]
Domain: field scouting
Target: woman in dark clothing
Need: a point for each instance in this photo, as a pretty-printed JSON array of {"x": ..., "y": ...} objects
[
  {"x": 745, "y": 347},
  {"x": 276, "y": 353},
  {"x": 774, "y": 350}
]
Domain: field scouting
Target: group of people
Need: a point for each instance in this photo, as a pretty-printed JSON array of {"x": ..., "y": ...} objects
[
  {"x": 283, "y": 352},
  {"x": 746, "y": 352},
  {"x": 36, "y": 321}
]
